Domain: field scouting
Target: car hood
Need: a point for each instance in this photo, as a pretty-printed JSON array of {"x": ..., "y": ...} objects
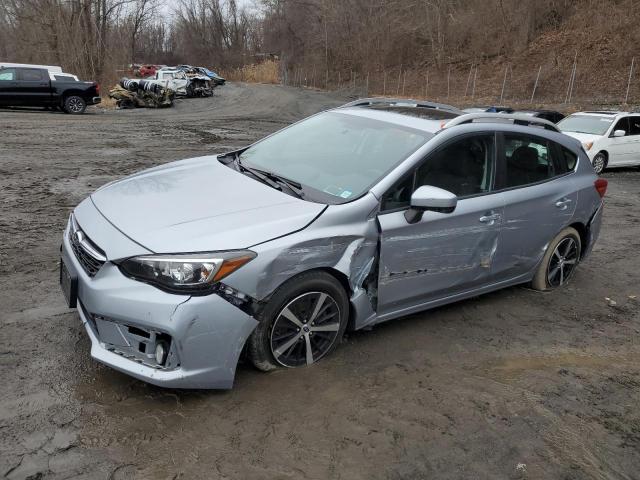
[
  {"x": 199, "y": 205},
  {"x": 583, "y": 137}
]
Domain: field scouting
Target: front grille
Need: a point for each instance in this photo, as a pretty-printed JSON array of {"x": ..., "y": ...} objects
[{"x": 90, "y": 256}]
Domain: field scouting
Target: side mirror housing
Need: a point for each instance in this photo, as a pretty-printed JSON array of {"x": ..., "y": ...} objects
[
  {"x": 619, "y": 133},
  {"x": 429, "y": 198}
]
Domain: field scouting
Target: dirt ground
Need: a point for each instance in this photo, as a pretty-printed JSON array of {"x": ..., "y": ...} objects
[{"x": 514, "y": 384}]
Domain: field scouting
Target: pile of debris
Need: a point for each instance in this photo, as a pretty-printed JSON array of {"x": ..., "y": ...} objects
[
  {"x": 141, "y": 94},
  {"x": 163, "y": 83}
]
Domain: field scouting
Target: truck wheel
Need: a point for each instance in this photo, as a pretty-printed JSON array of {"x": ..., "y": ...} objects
[{"x": 74, "y": 105}]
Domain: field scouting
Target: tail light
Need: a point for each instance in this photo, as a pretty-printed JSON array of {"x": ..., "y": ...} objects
[
  {"x": 601, "y": 186},
  {"x": 98, "y": 89}
]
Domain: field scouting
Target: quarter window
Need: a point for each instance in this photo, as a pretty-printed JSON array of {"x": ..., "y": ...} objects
[{"x": 527, "y": 160}]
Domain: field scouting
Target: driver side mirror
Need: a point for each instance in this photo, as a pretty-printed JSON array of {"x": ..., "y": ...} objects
[
  {"x": 619, "y": 133},
  {"x": 429, "y": 198}
]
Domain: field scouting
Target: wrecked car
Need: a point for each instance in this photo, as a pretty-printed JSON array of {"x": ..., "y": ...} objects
[
  {"x": 352, "y": 217},
  {"x": 182, "y": 84},
  {"x": 141, "y": 94}
]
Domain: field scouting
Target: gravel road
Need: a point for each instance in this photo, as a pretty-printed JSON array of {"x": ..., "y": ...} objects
[{"x": 514, "y": 384}]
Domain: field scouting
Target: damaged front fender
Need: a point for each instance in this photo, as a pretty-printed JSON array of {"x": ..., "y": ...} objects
[{"x": 339, "y": 240}]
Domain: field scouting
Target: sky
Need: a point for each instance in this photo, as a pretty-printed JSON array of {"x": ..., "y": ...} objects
[{"x": 168, "y": 6}]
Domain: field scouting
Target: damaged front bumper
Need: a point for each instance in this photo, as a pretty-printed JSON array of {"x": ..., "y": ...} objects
[{"x": 126, "y": 320}]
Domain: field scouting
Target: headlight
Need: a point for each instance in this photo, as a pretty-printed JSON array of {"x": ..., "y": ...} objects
[
  {"x": 587, "y": 146},
  {"x": 186, "y": 273}
]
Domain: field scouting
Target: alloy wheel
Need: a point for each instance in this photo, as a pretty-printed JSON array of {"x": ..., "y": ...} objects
[
  {"x": 563, "y": 262},
  {"x": 598, "y": 163},
  {"x": 75, "y": 105},
  {"x": 305, "y": 329}
]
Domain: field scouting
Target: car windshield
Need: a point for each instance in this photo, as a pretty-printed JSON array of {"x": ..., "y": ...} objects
[
  {"x": 339, "y": 156},
  {"x": 590, "y": 124}
]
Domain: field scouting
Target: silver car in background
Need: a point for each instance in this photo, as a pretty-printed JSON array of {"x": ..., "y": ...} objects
[{"x": 352, "y": 217}]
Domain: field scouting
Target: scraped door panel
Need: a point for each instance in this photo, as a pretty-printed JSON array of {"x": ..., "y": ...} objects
[
  {"x": 533, "y": 216},
  {"x": 439, "y": 256}
]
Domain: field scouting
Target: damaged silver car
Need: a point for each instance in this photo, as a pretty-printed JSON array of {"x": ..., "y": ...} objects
[{"x": 352, "y": 217}]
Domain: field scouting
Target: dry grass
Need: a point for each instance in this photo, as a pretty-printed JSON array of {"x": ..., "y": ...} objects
[
  {"x": 265, "y": 72},
  {"x": 107, "y": 103}
]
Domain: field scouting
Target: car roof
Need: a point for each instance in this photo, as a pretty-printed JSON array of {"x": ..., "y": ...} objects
[
  {"x": 410, "y": 121},
  {"x": 601, "y": 113}
]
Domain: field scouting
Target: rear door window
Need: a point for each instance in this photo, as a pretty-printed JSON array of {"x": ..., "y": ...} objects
[
  {"x": 526, "y": 160},
  {"x": 32, "y": 75},
  {"x": 634, "y": 125}
]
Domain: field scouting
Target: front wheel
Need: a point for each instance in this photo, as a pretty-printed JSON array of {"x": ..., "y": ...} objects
[
  {"x": 599, "y": 162},
  {"x": 303, "y": 322},
  {"x": 74, "y": 105},
  {"x": 559, "y": 262}
]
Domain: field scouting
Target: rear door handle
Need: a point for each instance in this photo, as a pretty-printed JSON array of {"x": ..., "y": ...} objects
[
  {"x": 563, "y": 203},
  {"x": 490, "y": 219}
]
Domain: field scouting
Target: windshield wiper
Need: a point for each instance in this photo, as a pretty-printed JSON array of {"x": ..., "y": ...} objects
[
  {"x": 257, "y": 174},
  {"x": 271, "y": 179},
  {"x": 294, "y": 187}
]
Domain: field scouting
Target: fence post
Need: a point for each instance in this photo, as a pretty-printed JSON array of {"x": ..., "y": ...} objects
[
  {"x": 404, "y": 82},
  {"x": 367, "y": 84},
  {"x": 567, "y": 98},
  {"x": 473, "y": 89},
  {"x": 504, "y": 82},
  {"x": 626, "y": 97},
  {"x": 448, "y": 81},
  {"x": 466, "y": 90},
  {"x": 535, "y": 85},
  {"x": 398, "y": 84},
  {"x": 384, "y": 84},
  {"x": 426, "y": 87},
  {"x": 339, "y": 80}
]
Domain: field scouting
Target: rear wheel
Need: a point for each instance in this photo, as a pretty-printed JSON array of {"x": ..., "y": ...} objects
[
  {"x": 303, "y": 322},
  {"x": 74, "y": 105},
  {"x": 599, "y": 162},
  {"x": 559, "y": 262}
]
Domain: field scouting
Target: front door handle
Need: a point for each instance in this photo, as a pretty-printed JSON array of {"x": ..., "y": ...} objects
[
  {"x": 563, "y": 203},
  {"x": 490, "y": 219}
]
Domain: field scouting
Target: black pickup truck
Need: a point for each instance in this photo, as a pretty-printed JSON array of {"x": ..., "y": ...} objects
[{"x": 34, "y": 87}]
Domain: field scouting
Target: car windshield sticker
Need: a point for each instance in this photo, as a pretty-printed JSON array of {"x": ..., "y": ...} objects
[{"x": 346, "y": 194}]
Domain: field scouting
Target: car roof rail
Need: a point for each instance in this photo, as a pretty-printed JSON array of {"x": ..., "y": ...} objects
[
  {"x": 400, "y": 102},
  {"x": 513, "y": 118}
]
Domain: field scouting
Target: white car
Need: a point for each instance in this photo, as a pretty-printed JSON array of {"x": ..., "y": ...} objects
[{"x": 611, "y": 139}]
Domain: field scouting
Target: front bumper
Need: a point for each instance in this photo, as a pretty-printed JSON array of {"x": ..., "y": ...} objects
[{"x": 207, "y": 333}]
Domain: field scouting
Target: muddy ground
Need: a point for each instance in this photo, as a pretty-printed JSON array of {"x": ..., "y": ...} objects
[{"x": 514, "y": 384}]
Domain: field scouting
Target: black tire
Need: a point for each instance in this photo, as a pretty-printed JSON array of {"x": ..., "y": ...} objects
[
  {"x": 599, "y": 162},
  {"x": 273, "y": 326},
  {"x": 74, "y": 105},
  {"x": 554, "y": 271}
]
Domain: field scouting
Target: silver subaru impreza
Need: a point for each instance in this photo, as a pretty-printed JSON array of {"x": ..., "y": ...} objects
[{"x": 352, "y": 217}]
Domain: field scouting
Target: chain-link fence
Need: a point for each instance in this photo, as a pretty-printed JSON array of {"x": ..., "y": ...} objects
[{"x": 575, "y": 84}]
